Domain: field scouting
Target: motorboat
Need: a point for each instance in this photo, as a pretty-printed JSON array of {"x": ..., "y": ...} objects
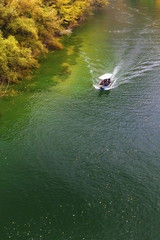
[{"x": 104, "y": 82}]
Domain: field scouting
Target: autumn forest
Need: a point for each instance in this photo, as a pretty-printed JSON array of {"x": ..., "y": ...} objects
[{"x": 30, "y": 28}]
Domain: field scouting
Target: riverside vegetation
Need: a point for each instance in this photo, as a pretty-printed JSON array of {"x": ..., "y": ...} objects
[{"x": 29, "y": 28}]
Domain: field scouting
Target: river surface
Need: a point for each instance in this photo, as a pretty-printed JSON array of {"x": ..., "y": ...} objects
[{"x": 79, "y": 163}]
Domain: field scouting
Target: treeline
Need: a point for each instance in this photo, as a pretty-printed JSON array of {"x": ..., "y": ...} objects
[{"x": 29, "y": 28}]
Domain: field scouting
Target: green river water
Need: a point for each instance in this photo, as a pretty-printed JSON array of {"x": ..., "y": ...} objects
[{"x": 79, "y": 163}]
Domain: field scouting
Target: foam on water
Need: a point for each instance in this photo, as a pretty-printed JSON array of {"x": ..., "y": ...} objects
[{"x": 128, "y": 58}]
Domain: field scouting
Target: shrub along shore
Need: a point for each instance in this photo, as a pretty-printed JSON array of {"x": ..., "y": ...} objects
[{"x": 30, "y": 28}]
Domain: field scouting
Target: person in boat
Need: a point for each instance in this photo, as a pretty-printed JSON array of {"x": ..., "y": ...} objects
[
  {"x": 109, "y": 81},
  {"x": 105, "y": 82},
  {"x": 102, "y": 83}
]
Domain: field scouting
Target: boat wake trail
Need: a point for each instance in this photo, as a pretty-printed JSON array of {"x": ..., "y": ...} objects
[
  {"x": 96, "y": 69},
  {"x": 133, "y": 53}
]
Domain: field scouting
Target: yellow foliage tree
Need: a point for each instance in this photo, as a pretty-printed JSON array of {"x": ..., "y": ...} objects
[{"x": 15, "y": 61}]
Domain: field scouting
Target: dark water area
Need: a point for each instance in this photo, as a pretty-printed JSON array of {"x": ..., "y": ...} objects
[{"x": 79, "y": 163}]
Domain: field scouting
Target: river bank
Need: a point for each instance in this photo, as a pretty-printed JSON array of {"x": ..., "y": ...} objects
[{"x": 28, "y": 30}]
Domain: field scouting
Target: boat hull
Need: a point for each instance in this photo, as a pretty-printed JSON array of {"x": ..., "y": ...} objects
[{"x": 102, "y": 87}]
